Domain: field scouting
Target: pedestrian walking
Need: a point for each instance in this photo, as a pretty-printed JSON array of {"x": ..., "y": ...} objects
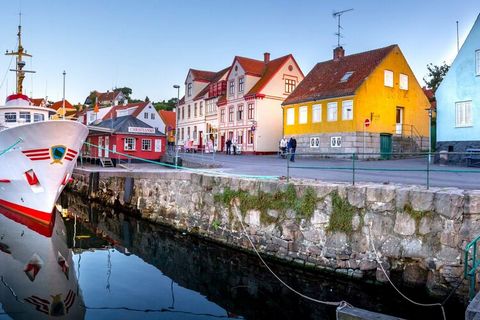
[
  {"x": 283, "y": 147},
  {"x": 234, "y": 146},
  {"x": 229, "y": 144},
  {"x": 292, "y": 147}
]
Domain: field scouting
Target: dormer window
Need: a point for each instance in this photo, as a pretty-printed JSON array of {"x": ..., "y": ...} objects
[
  {"x": 240, "y": 84},
  {"x": 189, "y": 89},
  {"x": 346, "y": 76},
  {"x": 232, "y": 87},
  {"x": 290, "y": 85}
]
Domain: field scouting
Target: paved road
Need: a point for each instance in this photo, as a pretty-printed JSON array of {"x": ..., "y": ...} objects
[
  {"x": 366, "y": 171},
  {"x": 410, "y": 171}
]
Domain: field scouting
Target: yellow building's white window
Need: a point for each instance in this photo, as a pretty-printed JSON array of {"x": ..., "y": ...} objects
[
  {"x": 347, "y": 110},
  {"x": 403, "y": 81},
  {"x": 303, "y": 115},
  {"x": 317, "y": 113},
  {"x": 332, "y": 111},
  {"x": 290, "y": 116},
  {"x": 463, "y": 114},
  {"x": 388, "y": 78}
]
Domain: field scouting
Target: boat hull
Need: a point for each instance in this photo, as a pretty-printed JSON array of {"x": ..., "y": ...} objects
[{"x": 35, "y": 171}]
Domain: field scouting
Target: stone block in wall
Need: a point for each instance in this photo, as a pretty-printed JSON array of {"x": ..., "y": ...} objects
[
  {"x": 253, "y": 218},
  {"x": 404, "y": 224},
  {"x": 336, "y": 241},
  {"x": 415, "y": 275},
  {"x": 402, "y": 197},
  {"x": 449, "y": 203},
  {"x": 472, "y": 202},
  {"x": 320, "y": 217},
  {"x": 290, "y": 231},
  {"x": 415, "y": 248},
  {"x": 381, "y": 198},
  {"x": 356, "y": 196},
  {"x": 422, "y": 199},
  {"x": 381, "y": 225},
  {"x": 430, "y": 225},
  {"x": 391, "y": 247},
  {"x": 449, "y": 255}
]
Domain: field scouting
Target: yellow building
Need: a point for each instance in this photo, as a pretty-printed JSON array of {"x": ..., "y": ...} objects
[{"x": 328, "y": 110}]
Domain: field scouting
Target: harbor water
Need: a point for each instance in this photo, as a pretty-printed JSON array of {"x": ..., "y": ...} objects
[{"x": 100, "y": 263}]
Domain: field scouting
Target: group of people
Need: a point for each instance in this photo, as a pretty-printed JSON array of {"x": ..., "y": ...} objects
[
  {"x": 231, "y": 146},
  {"x": 289, "y": 146}
]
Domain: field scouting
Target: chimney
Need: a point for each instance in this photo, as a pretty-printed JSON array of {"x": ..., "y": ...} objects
[
  {"x": 266, "y": 57},
  {"x": 338, "y": 53}
]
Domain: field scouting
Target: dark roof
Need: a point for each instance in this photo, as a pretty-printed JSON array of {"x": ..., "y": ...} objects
[
  {"x": 121, "y": 124},
  {"x": 201, "y": 75},
  {"x": 323, "y": 81},
  {"x": 215, "y": 79}
]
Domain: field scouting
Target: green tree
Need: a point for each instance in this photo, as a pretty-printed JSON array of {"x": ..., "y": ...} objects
[
  {"x": 166, "y": 105},
  {"x": 147, "y": 99},
  {"x": 126, "y": 92},
  {"x": 435, "y": 75}
]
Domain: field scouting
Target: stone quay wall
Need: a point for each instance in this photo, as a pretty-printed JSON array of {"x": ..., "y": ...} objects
[{"x": 419, "y": 234}]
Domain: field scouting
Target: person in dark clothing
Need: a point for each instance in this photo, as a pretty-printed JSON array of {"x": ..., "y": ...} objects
[
  {"x": 292, "y": 146},
  {"x": 229, "y": 144}
]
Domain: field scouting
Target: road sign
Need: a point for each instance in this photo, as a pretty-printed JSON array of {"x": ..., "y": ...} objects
[{"x": 366, "y": 123}]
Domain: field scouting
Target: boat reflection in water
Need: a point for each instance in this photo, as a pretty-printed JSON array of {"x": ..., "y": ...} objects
[{"x": 37, "y": 278}]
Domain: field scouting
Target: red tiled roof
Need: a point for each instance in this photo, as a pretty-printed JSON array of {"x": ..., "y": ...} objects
[
  {"x": 169, "y": 118},
  {"x": 216, "y": 78},
  {"x": 59, "y": 104},
  {"x": 37, "y": 102},
  {"x": 251, "y": 66},
  {"x": 201, "y": 75},
  {"x": 270, "y": 70},
  {"x": 112, "y": 113},
  {"x": 107, "y": 96},
  {"x": 323, "y": 81},
  {"x": 182, "y": 101}
]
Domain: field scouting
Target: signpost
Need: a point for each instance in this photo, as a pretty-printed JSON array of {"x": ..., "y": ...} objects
[{"x": 366, "y": 124}]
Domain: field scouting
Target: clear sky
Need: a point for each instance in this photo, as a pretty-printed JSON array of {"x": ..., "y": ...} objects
[{"x": 149, "y": 45}]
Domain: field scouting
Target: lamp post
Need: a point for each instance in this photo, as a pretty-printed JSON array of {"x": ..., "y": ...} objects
[
  {"x": 430, "y": 113},
  {"x": 176, "y": 86},
  {"x": 63, "y": 102}
]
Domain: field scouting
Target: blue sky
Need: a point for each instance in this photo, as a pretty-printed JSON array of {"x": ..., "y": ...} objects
[{"x": 149, "y": 45}]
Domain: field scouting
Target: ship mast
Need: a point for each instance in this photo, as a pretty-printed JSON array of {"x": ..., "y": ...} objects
[{"x": 20, "y": 53}]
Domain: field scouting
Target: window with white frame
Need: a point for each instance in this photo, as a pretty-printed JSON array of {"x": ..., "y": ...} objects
[
  {"x": 231, "y": 90},
  {"x": 290, "y": 116},
  {"x": 240, "y": 113},
  {"x": 25, "y": 116},
  {"x": 463, "y": 114},
  {"x": 129, "y": 144},
  {"x": 146, "y": 145},
  {"x": 10, "y": 117},
  {"x": 303, "y": 115},
  {"x": 152, "y": 116},
  {"x": 477, "y": 62},
  {"x": 195, "y": 109},
  {"x": 231, "y": 111},
  {"x": 222, "y": 115},
  {"x": 332, "y": 111},
  {"x": 403, "y": 81},
  {"x": 241, "y": 84},
  {"x": 388, "y": 78},
  {"x": 347, "y": 110},
  {"x": 290, "y": 85},
  {"x": 189, "y": 89},
  {"x": 201, "y": 109},
  {"x": 346, "y": 76},
  {"x": 317, "y": 113},
  {"x": 38, "y": 117},
  {"x": 251, "y": 110}
]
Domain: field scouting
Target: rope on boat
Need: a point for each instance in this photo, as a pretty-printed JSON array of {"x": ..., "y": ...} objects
[
  {"x": 377, "y": 258},
  {"x": 11, "y": 147},
  {"x": 339, "y": 304},
  {"x": 182, "y": 167}
]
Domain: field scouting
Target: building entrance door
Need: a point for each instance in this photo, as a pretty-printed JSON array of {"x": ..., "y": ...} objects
[{"x": 399, "y": 120}]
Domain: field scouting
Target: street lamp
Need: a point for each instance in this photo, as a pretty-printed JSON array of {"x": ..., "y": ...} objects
[
  {"x": 63, "y": 103},
  {"x": 176, "y": 86}
]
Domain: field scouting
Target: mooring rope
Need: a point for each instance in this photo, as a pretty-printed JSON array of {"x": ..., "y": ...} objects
[
  {"x": 182, "y": 167},
  {"x": 340, "y": 304},
  {"x": 11, "y": 147},
  {"x": 377, "y": 258}
]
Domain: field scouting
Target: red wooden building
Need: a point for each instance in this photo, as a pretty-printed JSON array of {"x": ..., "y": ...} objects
[{"x": 126, "y": 135}]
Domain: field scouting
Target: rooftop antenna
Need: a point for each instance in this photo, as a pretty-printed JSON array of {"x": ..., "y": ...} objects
[
  {"x": 337, "y": 15},
  {"x": 458, "y": 42}
]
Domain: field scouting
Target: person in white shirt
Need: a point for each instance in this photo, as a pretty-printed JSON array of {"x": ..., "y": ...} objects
[{"x": 283, "y": 147}]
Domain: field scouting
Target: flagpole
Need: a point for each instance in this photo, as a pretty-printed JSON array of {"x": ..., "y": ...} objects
[{"x": 63, "y": 103}]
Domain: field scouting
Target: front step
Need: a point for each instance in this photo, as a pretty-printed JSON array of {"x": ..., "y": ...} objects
[{"x": 106, "y": 162}]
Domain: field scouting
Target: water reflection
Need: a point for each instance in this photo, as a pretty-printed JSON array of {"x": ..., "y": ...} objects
[
  {"x": 119, "y": 267},
  {"x": 36, "y": 273}
]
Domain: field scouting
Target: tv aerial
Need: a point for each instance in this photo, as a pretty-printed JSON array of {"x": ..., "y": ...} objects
[{"x": 337, "y": 15}]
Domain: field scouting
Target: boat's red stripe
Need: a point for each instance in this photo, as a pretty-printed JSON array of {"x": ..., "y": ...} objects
[
  {"x": 44, "y": 154},
  {"x": 35, "y": 150},
  {"x": 40, "y": 216},
  {"x": 69, "y": 158},
  {"x": 72, "y": 151},
  {"x": 39, "y": 158},
  {"x": 17, "y": 96},
  {"x": 4, "y": 180}
]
